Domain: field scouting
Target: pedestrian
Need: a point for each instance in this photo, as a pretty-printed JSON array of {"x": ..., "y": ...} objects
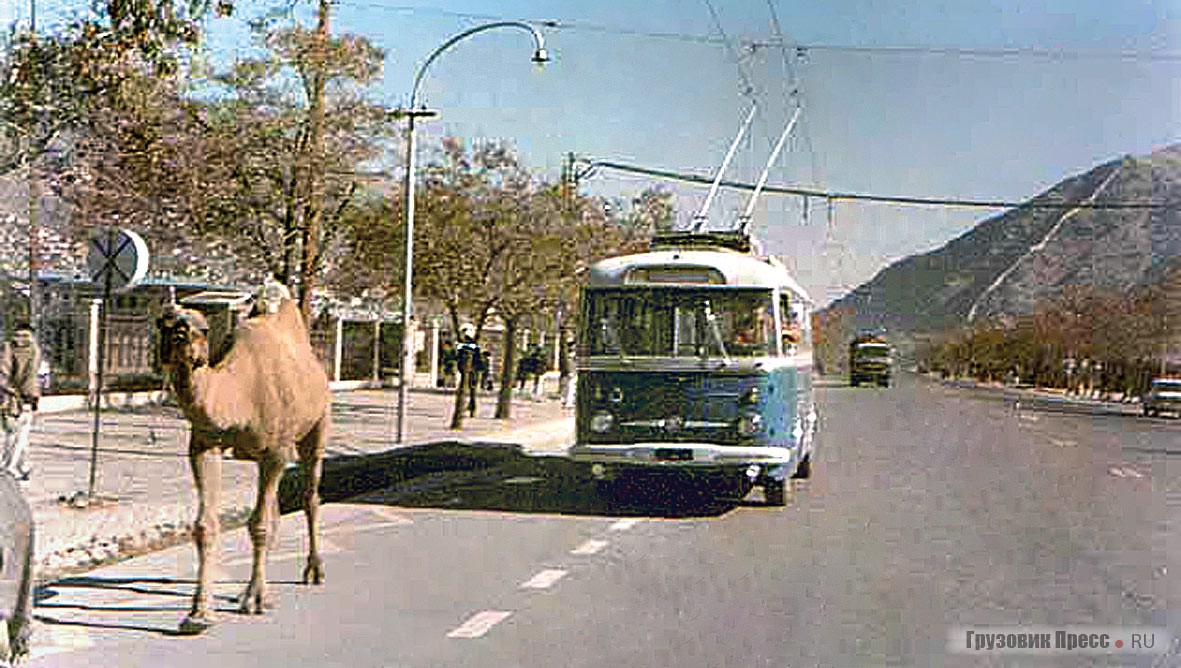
[
  {"x": 536, "y": 370},
  {"x": 20, "y": 395},
  {"x": 567, "y": 372},
  {"x": 469, "y": 360},
  {"x": 486, "y": 371}
]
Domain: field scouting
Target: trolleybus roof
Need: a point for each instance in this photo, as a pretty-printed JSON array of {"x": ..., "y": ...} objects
[{"x": 734, "y": 268}]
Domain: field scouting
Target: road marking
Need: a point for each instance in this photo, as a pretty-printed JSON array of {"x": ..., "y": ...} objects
[
  {"x": 1062, "y": 443},
  {"x": 326, "y": 547},
  {"x": 544, "y": 580},
  {"x": 1125, "y": 472},
  {"x": 623, "y": 525},
  {"x": 589, "y": 547},
  {"x": 479, "y": 624},
  {"x": 390, "y": 515}
]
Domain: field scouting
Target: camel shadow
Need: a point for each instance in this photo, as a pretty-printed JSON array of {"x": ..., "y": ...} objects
[
  {"x": 502, "y": 477},
  {"x": 51, "y": 611}
]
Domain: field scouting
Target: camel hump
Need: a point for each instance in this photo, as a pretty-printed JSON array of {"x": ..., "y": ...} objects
[
  {"x": 267, "y": 329},
  {"x": 289, "y": 315}
]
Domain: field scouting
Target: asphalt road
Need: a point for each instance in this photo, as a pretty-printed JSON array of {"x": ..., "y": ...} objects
[{"x": 930, "y": 508}]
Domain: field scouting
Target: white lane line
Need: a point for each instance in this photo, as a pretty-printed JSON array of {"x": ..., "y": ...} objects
[
  {"x": 544, "y": 580},
  {"x": 1125, "y": 472},
  {"x": 623, "y": 525},
  {"x": 479, "y": 624},
  {"x": 390, "y": 515},
  {"x": 241, "y": 559},
  {"x": 364, "y": 527},
  {"x": 590, "y": 547},
  {"x": 1062, "y": 443}
]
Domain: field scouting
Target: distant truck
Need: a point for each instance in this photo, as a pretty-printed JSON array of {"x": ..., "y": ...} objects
[{"x": 870, "y": 360}]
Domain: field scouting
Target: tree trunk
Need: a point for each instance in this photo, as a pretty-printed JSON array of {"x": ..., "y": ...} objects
[
  {"x": 508, "y": 356},
  {"x": 310, "y": 247},
  {"x": 466, "y": 369}
]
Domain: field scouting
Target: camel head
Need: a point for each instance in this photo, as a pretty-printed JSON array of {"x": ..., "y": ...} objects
[{"x": 184, "y": 338}]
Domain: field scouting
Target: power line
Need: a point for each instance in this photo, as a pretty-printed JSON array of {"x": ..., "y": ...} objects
[
  {"x": 833, "y": 196},
  {"x": 1149, "y": 55},
  {"x": 748, "y": 88}
]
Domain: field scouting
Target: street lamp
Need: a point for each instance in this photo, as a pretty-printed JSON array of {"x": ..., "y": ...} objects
[{"x": 412, "y": 112}]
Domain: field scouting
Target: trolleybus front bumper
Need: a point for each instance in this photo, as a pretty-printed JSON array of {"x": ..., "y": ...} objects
[{"x": 776, "y": 461}]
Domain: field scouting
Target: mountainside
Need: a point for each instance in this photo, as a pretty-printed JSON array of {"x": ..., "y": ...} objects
[{"x": 1008, "y": 263}]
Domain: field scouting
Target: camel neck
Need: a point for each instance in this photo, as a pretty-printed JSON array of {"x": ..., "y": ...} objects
[{"x": 188, "y": 383}]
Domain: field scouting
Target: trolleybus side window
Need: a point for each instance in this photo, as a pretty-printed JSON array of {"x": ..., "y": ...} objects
[{"x": 792, "y": 330}]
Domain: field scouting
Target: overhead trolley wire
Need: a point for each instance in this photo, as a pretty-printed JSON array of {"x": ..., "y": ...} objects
[
  {"x": 833, "y": 196},
  {"x": 1151, "y": 55}
]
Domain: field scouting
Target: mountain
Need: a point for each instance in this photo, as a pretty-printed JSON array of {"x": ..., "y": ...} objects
[{"x": 1008, "y": 263}]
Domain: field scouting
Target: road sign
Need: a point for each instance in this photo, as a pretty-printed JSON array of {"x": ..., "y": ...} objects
[{"x": 119, "y": 256}]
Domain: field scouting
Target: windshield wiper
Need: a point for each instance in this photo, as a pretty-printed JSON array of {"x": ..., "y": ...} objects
[{"x": 717, "y": 332}]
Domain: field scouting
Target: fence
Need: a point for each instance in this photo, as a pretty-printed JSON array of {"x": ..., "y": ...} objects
[{"x": 351, "y": 350}]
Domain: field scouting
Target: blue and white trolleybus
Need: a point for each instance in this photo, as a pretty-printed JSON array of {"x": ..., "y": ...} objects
[{"x": 695, "y": 358}]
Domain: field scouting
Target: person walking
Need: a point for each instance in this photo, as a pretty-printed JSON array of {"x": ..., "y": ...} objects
[
  {"x": 470, "y": 362},
  {"x": 536, "y": 368},
  {"x": 567, "y": 372},
  {"x": 20, "y": 394}
]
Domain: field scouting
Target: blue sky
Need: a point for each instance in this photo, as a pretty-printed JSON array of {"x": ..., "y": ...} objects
[{"x": 1088, "y": 81}]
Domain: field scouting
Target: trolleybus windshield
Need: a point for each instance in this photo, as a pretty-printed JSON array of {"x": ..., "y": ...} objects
[{"x": 679, "y": 322}]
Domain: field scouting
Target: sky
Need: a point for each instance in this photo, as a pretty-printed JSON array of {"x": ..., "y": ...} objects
[{"x": 972, "y": 99}]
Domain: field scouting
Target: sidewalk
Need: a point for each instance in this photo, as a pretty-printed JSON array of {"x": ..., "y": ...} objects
[
  {"x": 1043, "y": 396},
  {"x": 144, "y": 496}
]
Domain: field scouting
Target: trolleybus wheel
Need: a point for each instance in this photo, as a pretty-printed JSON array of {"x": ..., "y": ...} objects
[
  {"x": 804, "y": 468},
  {"x": 734, "y": 487},
  {"x": 775, "y": 492}
]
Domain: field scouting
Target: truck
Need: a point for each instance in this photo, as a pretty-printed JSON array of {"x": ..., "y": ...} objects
[{"x": 870, "y": 360}]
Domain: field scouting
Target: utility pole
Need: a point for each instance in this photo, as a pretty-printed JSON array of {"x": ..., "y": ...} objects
[
  {"x": 569, "y": 183},
  {"x": 314, "y": 210},
  {"x": 34, "y": 183}
]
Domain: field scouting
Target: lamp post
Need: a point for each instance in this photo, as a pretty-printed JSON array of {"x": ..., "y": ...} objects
[{"x": 411, "y": 113}]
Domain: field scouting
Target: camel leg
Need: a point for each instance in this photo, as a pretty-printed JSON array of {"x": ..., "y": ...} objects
[
  {"x": 262, "y": 524},
  {"x": 206, "y": 467},
  {"x": 311, "y": 462}
]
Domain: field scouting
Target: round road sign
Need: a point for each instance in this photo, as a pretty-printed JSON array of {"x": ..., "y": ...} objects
[{"x": 120, "y": 256}]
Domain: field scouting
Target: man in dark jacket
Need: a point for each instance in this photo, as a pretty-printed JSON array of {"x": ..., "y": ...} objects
[
  {"x": 470, "y": 363},
  {"x": 20, "y": 394}
]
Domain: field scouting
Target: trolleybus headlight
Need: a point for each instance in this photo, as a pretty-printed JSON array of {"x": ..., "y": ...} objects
[
  {"x": 749, "y": 423},
  {"x": 601, "y": 422}
]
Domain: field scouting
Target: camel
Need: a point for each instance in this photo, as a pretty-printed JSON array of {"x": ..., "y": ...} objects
[{"x": 267, "y": 401}]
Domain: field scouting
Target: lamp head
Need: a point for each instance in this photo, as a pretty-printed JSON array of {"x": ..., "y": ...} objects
[{"x": 541, "y": 56}]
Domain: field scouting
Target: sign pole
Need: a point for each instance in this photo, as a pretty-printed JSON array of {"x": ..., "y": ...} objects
[
  {"x": 104, "y": 318},
  {"x": 119, "y": 259}
]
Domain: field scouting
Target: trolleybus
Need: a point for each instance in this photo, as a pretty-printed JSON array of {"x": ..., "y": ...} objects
[{"x": 695, "y": 358}]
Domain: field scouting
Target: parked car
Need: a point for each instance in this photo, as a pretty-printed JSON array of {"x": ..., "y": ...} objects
[{"x": 1163, "y": 396}]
